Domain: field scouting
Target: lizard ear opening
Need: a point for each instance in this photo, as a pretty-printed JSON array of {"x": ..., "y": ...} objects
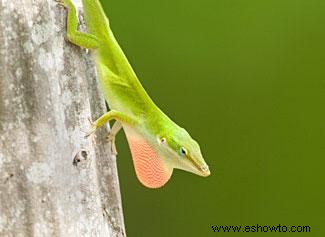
[
  {"x": 162, "y": 140},
  {"x": 150, "y": 168}
]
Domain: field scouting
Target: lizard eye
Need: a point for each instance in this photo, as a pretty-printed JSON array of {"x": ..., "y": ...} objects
[{"x": 183, "y": 151}]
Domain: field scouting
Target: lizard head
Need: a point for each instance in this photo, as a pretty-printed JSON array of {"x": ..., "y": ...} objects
[
  {"x": 155, "y": 157},
  {"x": 183, "y": 152}
]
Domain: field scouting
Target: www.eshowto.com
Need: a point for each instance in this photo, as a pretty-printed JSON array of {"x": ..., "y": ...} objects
[{"x": 261, "y": 228}]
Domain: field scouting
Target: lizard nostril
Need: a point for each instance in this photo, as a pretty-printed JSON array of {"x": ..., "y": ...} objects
[{"x": 205, "y": 170}]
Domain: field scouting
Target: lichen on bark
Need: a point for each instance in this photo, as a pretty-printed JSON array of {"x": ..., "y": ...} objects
[{"x": 53, "y": 181}]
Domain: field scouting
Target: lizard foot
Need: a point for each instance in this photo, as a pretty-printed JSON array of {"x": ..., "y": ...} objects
[
  {"x": 92, "y": 130},
  {"x": 61, "y": 3},
  {"x": 111, "y": 138}
]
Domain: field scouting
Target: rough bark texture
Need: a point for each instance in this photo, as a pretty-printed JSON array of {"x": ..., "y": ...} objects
[{"x": 53, "y": 181}]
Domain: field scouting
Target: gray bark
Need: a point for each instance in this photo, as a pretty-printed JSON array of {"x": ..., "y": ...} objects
[{"x": 53, "y": 181}]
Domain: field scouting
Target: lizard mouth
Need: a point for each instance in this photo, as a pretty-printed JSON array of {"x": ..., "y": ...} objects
[{"x": 203, "y": 170}]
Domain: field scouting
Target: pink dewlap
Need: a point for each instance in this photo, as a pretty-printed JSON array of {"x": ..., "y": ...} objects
[{"x": 149, "y": 167}]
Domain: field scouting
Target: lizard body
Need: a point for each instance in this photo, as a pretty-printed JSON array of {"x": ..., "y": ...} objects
[{"x": 158, "y": 145}]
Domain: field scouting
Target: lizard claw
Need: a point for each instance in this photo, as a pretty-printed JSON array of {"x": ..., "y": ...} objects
[
  {"x": 90, "y": 121},
  {"x": 92, "y": 130}
]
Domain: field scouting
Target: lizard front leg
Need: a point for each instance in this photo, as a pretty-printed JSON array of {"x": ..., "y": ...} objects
[
  {"x": 82, "y": 39},
  {"x": 111, "y": 115}
]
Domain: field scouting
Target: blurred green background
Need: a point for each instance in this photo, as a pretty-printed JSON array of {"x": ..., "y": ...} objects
[{"x": 246, "y": 79}]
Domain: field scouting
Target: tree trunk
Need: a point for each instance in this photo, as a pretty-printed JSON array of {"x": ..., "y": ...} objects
[{"x": 53, "y": 181}]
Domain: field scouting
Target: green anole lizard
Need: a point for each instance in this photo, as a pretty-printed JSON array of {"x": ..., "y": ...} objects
[{"x": 157, "y": 144}]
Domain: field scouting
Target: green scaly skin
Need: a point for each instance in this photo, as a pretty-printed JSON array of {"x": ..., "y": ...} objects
[{"x": 130, "y": 104}]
